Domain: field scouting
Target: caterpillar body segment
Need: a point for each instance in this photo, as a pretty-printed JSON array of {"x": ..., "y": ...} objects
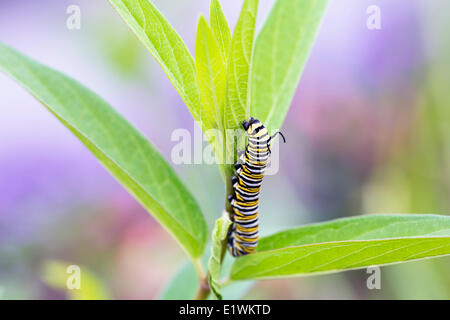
[{"x": 243, "y": 234}]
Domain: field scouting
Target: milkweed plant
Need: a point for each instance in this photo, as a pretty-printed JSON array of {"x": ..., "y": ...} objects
[{"x": 232, "y": 77}]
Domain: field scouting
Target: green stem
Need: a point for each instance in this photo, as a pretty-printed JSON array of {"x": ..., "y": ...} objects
[
  {"x": 203, "y": 284},
  {"x": 198, "y": 268},
  {"x": 203, "y": 289},
  {"x": 228, "y": 190}
]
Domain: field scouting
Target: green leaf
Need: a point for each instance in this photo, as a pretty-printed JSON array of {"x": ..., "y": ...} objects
[
  {"x": 219, "y": 235},
  {"x": 365, "y": 227},
  {"x": 125, "y": 152},
  {"x": 183, "y": 285},
  {"x": 346, "y": 244},
  {"x": 211, "y": 71},
  {"x": 281, "y": 51},
  {"x": 236, "y": 107},
  {"x": 220, "y": 28},
  {"x": 58, "y": 275},
  {"x": 166, "y": 46}
]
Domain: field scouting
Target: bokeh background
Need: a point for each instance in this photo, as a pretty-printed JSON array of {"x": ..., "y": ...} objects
[{"x": 368, "y": 132}]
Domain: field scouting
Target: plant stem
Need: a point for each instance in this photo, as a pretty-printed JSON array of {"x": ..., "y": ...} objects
[
  {"x": 203, "y": 289},
  {"x": 198, "y": 268},
  {"x": 228, "y": 190}
]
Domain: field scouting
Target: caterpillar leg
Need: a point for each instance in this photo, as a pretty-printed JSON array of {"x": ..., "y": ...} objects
[
  {"x": 236, "y": 248},
  {"x": 230, "y": 244},
  {"x": 231, "y": 198},
  {"x": 233, "y": 245},
  {"x": 240, "y": 157}
]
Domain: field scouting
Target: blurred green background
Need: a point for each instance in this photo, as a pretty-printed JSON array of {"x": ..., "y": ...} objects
[{"x": 368, "y": 132}]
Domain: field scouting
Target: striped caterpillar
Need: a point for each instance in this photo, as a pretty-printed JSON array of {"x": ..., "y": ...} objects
[{"x": 243, "y": 234}]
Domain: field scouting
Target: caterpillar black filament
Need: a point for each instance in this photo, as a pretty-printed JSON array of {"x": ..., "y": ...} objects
[{"x": 243, "y": 234}]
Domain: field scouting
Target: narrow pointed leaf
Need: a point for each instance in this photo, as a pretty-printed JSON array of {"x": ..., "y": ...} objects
[
  {"x": 365, "y": 227},
  {"x": 211, "y": 71},
  {"x": 220, "y": 28},
  {"x": 166, "y": 46},
  {"x": 124, "y": 152},
  {"x": 346, "y": 244},
  {"x": 281, "y": 50},
  {"x": 236, "y": 108}
]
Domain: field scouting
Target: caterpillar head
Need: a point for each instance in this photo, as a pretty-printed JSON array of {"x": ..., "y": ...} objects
[{"x": 250, "y": 125}]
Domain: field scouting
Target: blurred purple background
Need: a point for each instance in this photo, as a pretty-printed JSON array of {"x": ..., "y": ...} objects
[{"x": 367, "y": 132}]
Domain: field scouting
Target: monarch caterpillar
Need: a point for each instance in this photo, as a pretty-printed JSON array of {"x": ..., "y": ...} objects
[{"x": 243, "y": 233}]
